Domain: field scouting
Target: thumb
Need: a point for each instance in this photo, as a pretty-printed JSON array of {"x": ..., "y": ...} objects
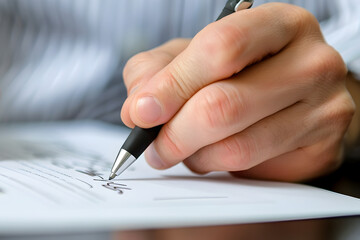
[{"x": 143, "y": 66}]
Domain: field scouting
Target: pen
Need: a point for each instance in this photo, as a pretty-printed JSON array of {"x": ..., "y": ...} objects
[{"x": 140, "y": 138}]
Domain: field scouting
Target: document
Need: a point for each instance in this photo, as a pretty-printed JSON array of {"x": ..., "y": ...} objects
[{"x": 54, "y": 178}]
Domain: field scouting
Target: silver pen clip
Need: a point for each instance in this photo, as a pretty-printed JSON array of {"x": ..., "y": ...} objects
[{"x": 243, "y": 4}]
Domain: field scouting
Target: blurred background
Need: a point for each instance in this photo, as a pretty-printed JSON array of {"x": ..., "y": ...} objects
[{"x": 63, "y": 60}]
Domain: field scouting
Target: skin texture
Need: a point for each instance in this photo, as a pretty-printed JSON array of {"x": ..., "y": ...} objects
[{"x": 258, "y": 93}]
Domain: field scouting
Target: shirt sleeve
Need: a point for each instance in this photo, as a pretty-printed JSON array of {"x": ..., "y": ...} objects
[{"x": 342, "y": 31}]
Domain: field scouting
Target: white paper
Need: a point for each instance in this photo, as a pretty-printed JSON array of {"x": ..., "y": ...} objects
[{"x": 53, "y": 177}]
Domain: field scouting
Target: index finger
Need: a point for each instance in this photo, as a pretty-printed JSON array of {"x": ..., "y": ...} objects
[{"x": 144, "y": 65}]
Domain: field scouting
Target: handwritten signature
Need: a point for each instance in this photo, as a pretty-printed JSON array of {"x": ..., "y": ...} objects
[{"x": 108, "y": 184}]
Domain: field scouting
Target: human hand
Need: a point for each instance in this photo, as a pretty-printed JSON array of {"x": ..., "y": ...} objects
[{"x": 258, "y": 93}]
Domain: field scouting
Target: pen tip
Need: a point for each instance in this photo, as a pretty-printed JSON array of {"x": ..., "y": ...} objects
[{"x": 112, "y": 176}]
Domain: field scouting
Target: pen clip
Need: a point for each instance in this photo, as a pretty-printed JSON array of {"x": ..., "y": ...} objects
[
  {"x": 243, "y": 4},
  {"x": 233, "y": 6}
]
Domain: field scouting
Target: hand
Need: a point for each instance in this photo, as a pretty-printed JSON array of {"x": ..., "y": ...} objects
[{"x": 258, "y": 93}]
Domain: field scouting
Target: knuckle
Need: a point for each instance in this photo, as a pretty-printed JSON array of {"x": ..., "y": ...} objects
[
  {"x": 336, "y": 115},
  {"x": 223, "y": 43},
  {"x": 174, "y": 148},
  {"x": 343, "y": 110},
  {"x": 302, "y": 18},
  {"x": 298, "y": 19},
  {"x": 220, "y": 107},
  {"x": 332, "y": 63},
  {"x": 349, "y": 105},
  {"x": 135, "y": 61},
  {"x": 174, "y": 82},
  {"x": 327, "y": 66},
  {"x": 237, "y": 154},
  {"x": 132, "y": 66}
]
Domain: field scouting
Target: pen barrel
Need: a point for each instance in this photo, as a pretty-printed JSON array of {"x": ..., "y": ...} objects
[
  {"x": 139, "y": 139},
  {"x": 228, "y": 9}
]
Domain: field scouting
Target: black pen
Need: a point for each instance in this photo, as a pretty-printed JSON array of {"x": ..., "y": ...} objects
[{"x": 140, "y": 138}]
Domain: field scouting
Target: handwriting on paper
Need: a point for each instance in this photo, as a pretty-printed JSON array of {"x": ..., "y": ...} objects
[{"x": 60, "y": 155}]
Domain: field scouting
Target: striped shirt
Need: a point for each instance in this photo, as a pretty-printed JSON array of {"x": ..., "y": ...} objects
[{"x": 63, "y": 59}]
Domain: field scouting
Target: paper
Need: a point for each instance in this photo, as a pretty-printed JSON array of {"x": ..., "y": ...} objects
[{"x": 53, "y": 177}]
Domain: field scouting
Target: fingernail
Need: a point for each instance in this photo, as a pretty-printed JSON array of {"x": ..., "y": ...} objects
[
  {"x": 148, "y": 109},
  {"x": 153, "y": 158}
]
